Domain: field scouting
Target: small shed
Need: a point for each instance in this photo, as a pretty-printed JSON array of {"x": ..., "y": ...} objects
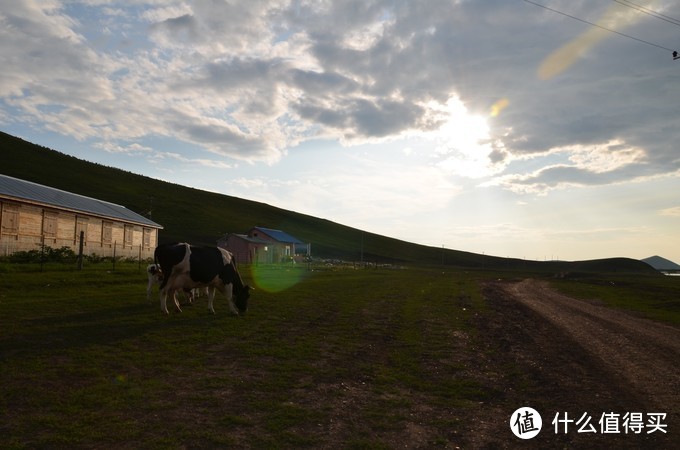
[
  {"x": 264, "y": 245},
  {"x": 294, "y": 245},
  {"x": 32, "y": 215},
  {"x": 249, "y": 250}
]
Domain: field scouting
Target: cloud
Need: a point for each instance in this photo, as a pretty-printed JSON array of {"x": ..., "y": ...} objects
[
  {"x": 130, "y": 149},
  {"x": 670, "y": 212},
  {"x": 249, "y": 80},
  {"x": 361, "y": 191}
]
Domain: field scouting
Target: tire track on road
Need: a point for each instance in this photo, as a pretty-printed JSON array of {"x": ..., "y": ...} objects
[{"x": 642, "y": 352}]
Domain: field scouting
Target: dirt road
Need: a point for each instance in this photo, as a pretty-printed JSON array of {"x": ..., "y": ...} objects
[
  {"x": 644, "y": 353},
  {"x": 567, "y": 355}
]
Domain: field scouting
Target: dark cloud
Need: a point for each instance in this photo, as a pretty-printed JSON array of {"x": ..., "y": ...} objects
[
  {"x": 222, "y": 138},
  {"x": 238, "y": 72},
  {"x": 184, "y": 27},
  {"x": 322, "y": 84},
  {"x": 360, "y": 118},
  {"x": 359, "y": 70}
]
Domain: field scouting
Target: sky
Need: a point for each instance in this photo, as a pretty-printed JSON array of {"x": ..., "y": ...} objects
[{"x": 492, "y": 126}]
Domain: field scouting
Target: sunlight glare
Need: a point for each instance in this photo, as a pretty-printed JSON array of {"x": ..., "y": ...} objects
[{"x": 463, "y": 142}]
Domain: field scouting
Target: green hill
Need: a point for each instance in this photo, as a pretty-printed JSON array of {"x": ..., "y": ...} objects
[{"x": 202, "y": 217}]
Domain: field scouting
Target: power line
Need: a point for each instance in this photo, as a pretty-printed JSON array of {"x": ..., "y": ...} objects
[
  {"x": 600, "y": 26},
  {"x": 648, "y": 11}
]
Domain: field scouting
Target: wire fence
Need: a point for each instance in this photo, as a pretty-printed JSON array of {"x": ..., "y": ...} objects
[{"x": 44, "y": 257}]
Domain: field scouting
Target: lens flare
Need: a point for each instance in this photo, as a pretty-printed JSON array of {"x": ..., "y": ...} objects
[
  {"x": 564, "y": 57},
  {"x": 276, "y": 278},
  {"x": 499, "y": 106}
]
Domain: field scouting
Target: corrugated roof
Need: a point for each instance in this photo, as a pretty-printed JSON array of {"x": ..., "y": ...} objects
[
  {"x": 279, "y": 235},
  {"x": 26, "y": 190},
  {"x": 253, "y": 240}
]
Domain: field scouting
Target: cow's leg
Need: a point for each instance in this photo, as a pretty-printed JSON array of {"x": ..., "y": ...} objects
[
  {"x": 174, "y": 297},
  {"x": 164, "y": 298},
  {"x": 148, "y": 290},
  {"x": 229, "y": 293},
  {"x": 211, "y": 297}
]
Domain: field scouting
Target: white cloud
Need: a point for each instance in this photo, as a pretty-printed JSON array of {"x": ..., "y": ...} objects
[
  {"x": 455, "y": 86},
  {"x": 599, "y": 164},
  {"x": 670, "y": 212},
  {"x": 250, "y": 79}
]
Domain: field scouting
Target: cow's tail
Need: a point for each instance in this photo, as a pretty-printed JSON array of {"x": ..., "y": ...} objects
[{"x": 164, "y": 279}]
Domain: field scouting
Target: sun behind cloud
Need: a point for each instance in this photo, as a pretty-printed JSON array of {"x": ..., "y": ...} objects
[{"x": 463, "y": 142}]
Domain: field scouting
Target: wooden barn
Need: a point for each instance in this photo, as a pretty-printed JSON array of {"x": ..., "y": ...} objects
[
  {"x": 32, "y": 215},
  {"x": 264, "y": 246}
]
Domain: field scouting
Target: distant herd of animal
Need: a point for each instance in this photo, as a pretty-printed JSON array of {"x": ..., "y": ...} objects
[{"x": 194, "y": 271}]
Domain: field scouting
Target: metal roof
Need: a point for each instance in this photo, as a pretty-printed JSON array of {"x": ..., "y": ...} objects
[
  {"x": 253, "y": 240},
  {"x": 279, "y": 235},
  {"x": 17, "y": 189}
]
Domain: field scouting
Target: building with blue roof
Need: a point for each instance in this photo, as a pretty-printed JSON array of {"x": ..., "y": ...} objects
[
  {"x": 32, "y": 215},
  {"x": 264, "y": 245}
]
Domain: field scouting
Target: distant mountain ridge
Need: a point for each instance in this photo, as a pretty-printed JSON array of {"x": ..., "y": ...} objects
[
  {"x": 660, "y": 263},
  {"x": 201, "y": 217}
]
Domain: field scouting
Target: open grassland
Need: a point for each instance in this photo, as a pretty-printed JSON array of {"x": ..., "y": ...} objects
[
  {"x": 88, "y": 362},
  {"x": 655, "y": 297},
  {"x": 368, "y": 358}
]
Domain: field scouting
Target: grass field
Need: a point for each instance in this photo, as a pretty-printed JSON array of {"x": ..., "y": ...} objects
[
  {"x": 655, "y": 297},
  {"x": 88, "y": 362},
  {"x": 328, "y": 358}
]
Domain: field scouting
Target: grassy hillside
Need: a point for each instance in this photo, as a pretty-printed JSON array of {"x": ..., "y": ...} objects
[{"x": 201, "y": 217}]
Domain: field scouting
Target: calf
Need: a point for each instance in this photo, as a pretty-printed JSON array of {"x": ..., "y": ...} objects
[
  {"x": 155, "y": 276},
  {"x": 153, "y": 272},
  {"x": 187, "y": 267}
]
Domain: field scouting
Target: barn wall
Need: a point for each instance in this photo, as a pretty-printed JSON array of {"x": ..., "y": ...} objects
[
  {"x": 23, "y": 227},
  {"x": 238, "y": 247},
  {"x": 66, "y": 229},
  {"x": 94, "y": 232}
]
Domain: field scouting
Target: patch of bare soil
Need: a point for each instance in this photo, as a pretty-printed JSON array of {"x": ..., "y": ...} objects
[
  {"x": 531, "y": 347},
  {"x": 561, "y": 355}
]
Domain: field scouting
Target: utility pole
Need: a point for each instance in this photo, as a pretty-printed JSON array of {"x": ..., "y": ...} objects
[{"x": 362, "y": 249}]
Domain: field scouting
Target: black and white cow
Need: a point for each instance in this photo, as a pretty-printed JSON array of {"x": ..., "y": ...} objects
[{"x": 186, "y": 266}]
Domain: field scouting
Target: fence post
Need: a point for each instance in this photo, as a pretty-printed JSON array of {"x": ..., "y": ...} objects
[
  {"x": 115, "y": 243},
  {"x": 140, "y": 256},
  {"x": 42, "y": 252},
  {"x": 80, "y": 251}
]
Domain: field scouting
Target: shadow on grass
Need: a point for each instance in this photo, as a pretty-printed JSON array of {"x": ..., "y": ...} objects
[{"x": 101, "y": 326}]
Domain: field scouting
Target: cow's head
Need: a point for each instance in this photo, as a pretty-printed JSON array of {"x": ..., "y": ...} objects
[{"x": 241, "y": 299}]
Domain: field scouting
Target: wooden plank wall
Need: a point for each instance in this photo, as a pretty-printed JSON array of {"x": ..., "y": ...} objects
[{"x": 33, "y": 229}]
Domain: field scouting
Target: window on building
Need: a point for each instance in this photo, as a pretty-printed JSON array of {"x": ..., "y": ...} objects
[
  {"x": 147, "y": 237},
  {"x": 50, "y": 224},
  {"x": 10, "y": 218},
  {"x": 128, "y": 234},
  {"x": 107, "y": 232},
  {"x": 81, "y": 227}
]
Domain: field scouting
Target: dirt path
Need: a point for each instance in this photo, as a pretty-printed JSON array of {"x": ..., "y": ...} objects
[
  {"x": 542, "y": 349},
  {"x": 644, "y": 353}
]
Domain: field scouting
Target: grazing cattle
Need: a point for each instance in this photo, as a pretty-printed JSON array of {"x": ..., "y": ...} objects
[
  {"x": 187, "y": 267},
  {"x": 155, "y": 276}
]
